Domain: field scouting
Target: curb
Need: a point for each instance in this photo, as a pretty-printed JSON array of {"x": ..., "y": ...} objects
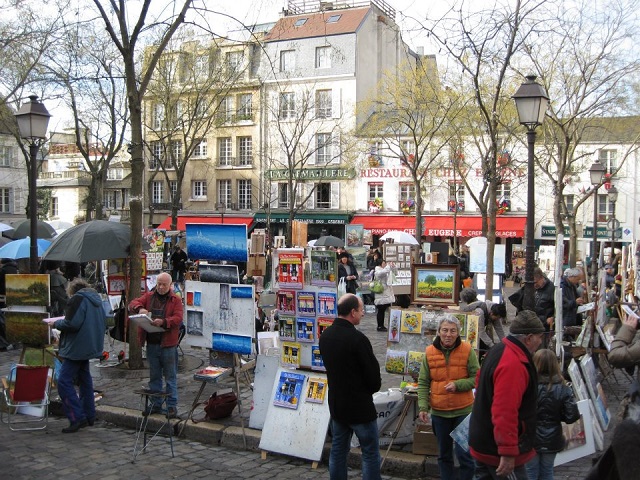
[{"x": 209, "y": 433}]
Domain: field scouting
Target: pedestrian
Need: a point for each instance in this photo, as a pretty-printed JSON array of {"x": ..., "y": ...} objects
[
  {"x": 503, "y": 421},
  {"x": 384, "y": 299},
  {"x": 58, "y": 284},
  {"x": 165, "y": 309},
  {"x": 81, "y": 339},
  {"x": 489, "y": 314},
  {"x": 178, "y": 261},
  {"x": 353, "y": 375},
  {"x": 445, "y": 390},
  {"x": 570, "y": 298},
  {"x": 544, "y": 301},
  {"x": 555, "y": 405},
  {"x": 625, "y": 347},
  {"x": 348, "y": 271}
]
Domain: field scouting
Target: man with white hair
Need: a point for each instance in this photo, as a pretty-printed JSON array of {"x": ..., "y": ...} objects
[{"x": 570, "y": 298}]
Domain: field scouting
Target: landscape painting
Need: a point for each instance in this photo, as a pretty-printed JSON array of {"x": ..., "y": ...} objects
[
  {"x": 435, "y": 284},
  {"x": 28, "y": 290},
  {"x": 217, "y": 242},
  {"x": 27, "y": 328}
]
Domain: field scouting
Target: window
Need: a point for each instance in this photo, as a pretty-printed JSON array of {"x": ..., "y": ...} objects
[
  {"x": 605, "y": 207},
  {"x": 300, "y": 22},
  {"x": 245, "y": 151},
  {"x": 199, "y": 189},
  {"x": 201, "y": 67},
  {"x": 158, "y": 116},
  {"x": 283, "y": 195},
  {"x": 234, "y": 62},
  {"x": 608, "y": 158},
  {"x": 568, "y": 201},
  {"x": 200, "y": 150},
  {"x": 226, "y": 110},
  {"x": 286, "y": 60},
  {"x": 173, "y": 188},
  {"x": 456, "y": 197},
  {"x": 157, "y": 153},
  {"x": 287, "y": 106},
  {"x": 504, "y": 191},
  {"x": 333, "y": 18},
  {"x": 108, "y": 201},
  {"x": 224, "y": 192},
  {"x": 323, "y": 148},
  {"x": 115, "y": 174},
  {"x": 245, "y": 109},
  {"x": 178, "y": 112},
  {"x": 6, "y": 156},
  {"x": 224, "y": 152},
  {"x": 156, "y": 192},
  {"x": 323, "y": 57},
  {"x": 407, "y": 191},
  {"x": 408, "y": 147},
  {"x": 323, "y": 195},
  {"x": 375, "y": 190},
  {"x": 5, "y": 200},
  {"x": 323, "y": 103},
  {"x": 244, "y": 194},
  {"x": 176, "y": 152},
  {"x": 53, "y": 207}
]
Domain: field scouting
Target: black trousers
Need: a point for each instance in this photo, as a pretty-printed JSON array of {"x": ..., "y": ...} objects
[{"x": 380, "y": 309}]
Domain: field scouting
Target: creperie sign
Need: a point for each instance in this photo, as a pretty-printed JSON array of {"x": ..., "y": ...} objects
[{"x": 449, "y": 232}]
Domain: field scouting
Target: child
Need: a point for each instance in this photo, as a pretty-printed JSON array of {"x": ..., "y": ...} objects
[{"x": 555, "y": 404}]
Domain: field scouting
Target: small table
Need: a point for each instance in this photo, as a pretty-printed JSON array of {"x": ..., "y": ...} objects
[{"x": 142, "y": 421}]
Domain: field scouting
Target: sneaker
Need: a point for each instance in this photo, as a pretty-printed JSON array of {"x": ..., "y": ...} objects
[
  {"x": 382, "y": 329},
  {"x": 150, "y": 410},
  {"x": 75, "y": 426}
]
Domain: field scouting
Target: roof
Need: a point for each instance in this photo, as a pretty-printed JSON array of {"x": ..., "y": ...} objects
[
  {"x": 316, "y": 25},
  {"x": 612, "y": 130}
]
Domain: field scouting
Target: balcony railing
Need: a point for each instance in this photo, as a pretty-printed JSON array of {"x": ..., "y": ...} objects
[
  {"x": 231, "y": 119},
  {"x": 235, "y": 161},
  {"x": 67, "y": 174}
]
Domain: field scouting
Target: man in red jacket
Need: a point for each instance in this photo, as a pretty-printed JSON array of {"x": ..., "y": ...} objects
[
  {"x": 165, "y": 309},
  {"x": 502, "y": 430}
]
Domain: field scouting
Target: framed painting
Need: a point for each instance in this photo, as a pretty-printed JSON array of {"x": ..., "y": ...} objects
[{"x": 435, "y": 284}]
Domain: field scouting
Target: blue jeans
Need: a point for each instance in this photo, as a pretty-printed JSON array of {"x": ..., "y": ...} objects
[
  {"x": 162, "y": 362},
  {"x": 488, "y": 472},
  {"x": 76, "y": 408},
  {"x": 367, "y": 434},
  {"x": 442, "y": 428},
  {"x": 540, "y": 467}
]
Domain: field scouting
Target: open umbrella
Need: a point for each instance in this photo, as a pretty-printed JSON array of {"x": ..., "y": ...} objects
[
  {"x": 59, "y": 225},
  {"x": 22, "y": 248},
  {"x": 23, "y": 229},
  {"x": 94, "y": 240},
  {"x": 4, "y": 227},
  {"x": 399, "y": 237},
  {"x": 329, "y": 241}
]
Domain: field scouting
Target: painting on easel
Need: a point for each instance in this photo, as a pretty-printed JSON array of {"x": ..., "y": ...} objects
[{"x": 28, "y": 290}]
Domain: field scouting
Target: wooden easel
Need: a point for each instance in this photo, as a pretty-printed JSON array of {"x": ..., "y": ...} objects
[{"x": 410, "y": 400}]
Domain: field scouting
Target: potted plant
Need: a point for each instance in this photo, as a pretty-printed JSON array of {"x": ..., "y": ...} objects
[
  {"x": 407, "y": 205},
  {"x": 375, "y": 205}
]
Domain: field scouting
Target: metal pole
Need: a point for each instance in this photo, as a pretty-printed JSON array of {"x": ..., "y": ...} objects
[
  {"x": 594, "y": 245},
  {"x": 613, "y": 232},
  {"x": 33, "y": 208},
  {"x": 529, "y": 290}
]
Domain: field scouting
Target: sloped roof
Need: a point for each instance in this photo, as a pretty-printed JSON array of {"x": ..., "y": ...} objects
[
  {"x": 621, "y": 130},
  {"x": 316, "y": 24}
]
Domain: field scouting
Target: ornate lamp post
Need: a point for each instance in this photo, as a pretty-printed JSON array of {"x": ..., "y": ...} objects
[
  {"x": 532, "y": 102},
  {"x": 33, "y": 119},
  {"x": 613, "y": 197},
  {"x": 596, "y": 172}
]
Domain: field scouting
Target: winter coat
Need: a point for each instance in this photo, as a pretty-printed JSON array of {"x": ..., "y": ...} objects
[
  {"x": 569, "y": 303},
  {"x": 172, "y": 317},
  {"x": 618, "y": 462},
  {"x": 58, "y": 290},
  {"x": 544, "y": 302},
  {"x": 82, "y": 327},
  {"x": 503, "y": 421},
  {"x": 382, "y": 275},
  {"x": 625, "y": 348},
  {"x": 352, "y": 285},
  {"x": 555, "y": 405}
]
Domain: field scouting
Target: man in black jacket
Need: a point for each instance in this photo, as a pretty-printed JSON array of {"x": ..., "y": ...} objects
[
  {"x": 353, "y": 374},
  {"x": 544, "y": 305}
]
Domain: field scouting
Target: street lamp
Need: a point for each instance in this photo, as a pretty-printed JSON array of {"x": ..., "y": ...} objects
[
  {"x": 33, "y": 119},
  {"x": 596, "y": 172},
  {"x": 613, "y": 197},
  {"x": 221, "y": 207},
  {"x": 531, "y": 101}
]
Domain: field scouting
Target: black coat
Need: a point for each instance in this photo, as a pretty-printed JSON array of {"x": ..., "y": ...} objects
[
  {"x": 353, "y": 373},
  {"x": 569, "y": 304},
  {"x": 544, "y": 302},
  {"x": 555, "y": 405},
  {"x": 352, "y": 285}
]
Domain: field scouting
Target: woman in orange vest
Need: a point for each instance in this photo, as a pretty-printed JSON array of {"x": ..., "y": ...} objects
[{"x": 447, "y": 378}]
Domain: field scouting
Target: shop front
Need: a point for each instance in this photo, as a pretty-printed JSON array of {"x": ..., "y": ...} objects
[
  {"x": 380, "y": 224},
  {"x": 471, "y": 226},
  {"x": 317, "y": 223},
  {"x": 213, "y": 219}
]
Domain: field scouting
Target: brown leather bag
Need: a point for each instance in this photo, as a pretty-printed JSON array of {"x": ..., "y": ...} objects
[{"x": 220, "y": 406}]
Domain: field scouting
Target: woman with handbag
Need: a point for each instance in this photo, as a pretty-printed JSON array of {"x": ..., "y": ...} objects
[
  {"x": 381, "y": 287},
  {"x": 348, "y": 272}
]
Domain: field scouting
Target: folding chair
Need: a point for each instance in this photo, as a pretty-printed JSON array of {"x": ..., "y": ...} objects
[{"x": 26, "y": 398}]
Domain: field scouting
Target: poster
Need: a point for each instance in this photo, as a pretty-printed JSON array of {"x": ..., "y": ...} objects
[
  {"x": 354, "y": 235},
  {"x": 289, "y": 268},
  {"x": 285, "y": 302},
  {"x": 328, "y": 304},
  {"x": 396, "y": 361},
  {"x": 414, "y": 363},
  {"x": 316, "y": 390},
  {"x": 289, "y": 390},
  {"x": 316, "y": 359},
  {"x": 324, "y": 268},
  {"x": 305, "y": 329},
  {"x": 306, "y": 304},
  {"x": 290, "y": 354},
  {"x": 323, "y": 323},
  {"x": 411, "y": 322},
  {"x": 286, "y": 327}
]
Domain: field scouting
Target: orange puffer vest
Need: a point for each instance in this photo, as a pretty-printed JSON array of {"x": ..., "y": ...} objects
[{"x": 443, "y": 372}]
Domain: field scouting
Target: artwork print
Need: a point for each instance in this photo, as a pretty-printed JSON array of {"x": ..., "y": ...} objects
[
  {"x": 217, "y": 242},
  {"x": 324, "y": 268},
  {"x": 27, "y": 290},
  {"x": 435, "y": 284}
]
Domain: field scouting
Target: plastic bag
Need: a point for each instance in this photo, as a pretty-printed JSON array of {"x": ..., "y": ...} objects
[
  {"x": 376, "y": 286},
  {"x": 342, "y": 287}
]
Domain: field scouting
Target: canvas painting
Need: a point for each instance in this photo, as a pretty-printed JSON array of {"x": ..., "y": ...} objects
[
  {"x": 27, "y": 290},
  {"x": 354, "y": 234},
  {"x": 217, "y": 242},
  {"x": 396, "y": 362},
  {"x": 435, "y": 284},
  {"x": 27, "y": 328}
]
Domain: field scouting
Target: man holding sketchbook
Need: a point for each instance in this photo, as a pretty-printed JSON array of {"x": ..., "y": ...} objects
[{"x": 165, "y": 311}]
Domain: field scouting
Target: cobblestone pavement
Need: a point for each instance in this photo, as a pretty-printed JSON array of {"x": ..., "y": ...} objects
[{"x": 107, "y": 450}]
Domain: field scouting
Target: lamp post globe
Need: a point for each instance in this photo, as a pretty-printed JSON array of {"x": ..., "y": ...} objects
[
  {"x": 596, "y": 174},
  {"x": 531, "y": 102}
]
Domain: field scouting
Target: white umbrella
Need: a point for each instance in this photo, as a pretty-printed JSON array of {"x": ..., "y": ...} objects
[
  {"x": 59, "y": 225},
  {"x": 400, "y": 237}
]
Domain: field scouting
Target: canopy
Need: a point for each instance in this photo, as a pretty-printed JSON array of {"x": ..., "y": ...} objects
[{"x": 183, "y": 220}]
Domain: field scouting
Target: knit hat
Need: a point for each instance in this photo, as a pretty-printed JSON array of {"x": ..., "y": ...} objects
[{"x": 526, "y": 322}]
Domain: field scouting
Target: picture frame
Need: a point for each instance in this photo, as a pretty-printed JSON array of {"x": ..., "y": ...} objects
[{"x": 433, "y": 284}]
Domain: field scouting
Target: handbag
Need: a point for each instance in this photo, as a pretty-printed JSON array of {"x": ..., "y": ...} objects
[
  {"x": 220, "y": 406},
  {"x": 376, "y": 286}
]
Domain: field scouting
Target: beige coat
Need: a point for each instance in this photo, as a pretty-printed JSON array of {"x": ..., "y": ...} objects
[{"x": 382, "y": 275}]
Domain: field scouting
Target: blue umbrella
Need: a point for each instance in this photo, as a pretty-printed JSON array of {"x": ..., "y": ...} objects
[{"x": 22, "y": 248}]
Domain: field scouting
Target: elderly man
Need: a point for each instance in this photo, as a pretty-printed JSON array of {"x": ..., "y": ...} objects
[
  {"x": 445, "y": 385},
  {"x": 502, "y": 430},
  {"x": 570, "y": 298},
  {"x": 165, "y": 309},
  {"x": 488, "y": 313}
]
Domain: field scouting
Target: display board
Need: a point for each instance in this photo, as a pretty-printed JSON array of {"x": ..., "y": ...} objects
[
  {"x": 265, "y": 375},
  {"x": 403, "y": 255},
  {"x": 478, "y": 256},
  {"x": 297, "y": 414}
]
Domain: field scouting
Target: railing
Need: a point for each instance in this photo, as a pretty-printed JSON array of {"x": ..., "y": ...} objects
[
  {"x": 235, "y": 162},
  {"x": 67, "y": 174}
]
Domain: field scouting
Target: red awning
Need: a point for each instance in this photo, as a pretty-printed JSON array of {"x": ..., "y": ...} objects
[
  {"x": 182, "y": 221},
  {"x": 381, "y": 224},
  {"x": 441, "y": 226}
]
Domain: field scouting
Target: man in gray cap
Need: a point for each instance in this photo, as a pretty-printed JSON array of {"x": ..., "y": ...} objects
[{"x": 503, "y": 422}]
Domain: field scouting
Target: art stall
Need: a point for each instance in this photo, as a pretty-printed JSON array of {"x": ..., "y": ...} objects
[
  {"x": 290, "y": 394},
  {"x": 403, "y": 255}
]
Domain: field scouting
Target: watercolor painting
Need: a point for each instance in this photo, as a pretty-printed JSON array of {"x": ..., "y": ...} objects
[{"x": 217, "y": 242}]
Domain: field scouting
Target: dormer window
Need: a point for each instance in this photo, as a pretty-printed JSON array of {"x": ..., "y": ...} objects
[
  {"x": 300, "y": 22},
  {"x": 333, "y": 18}
]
